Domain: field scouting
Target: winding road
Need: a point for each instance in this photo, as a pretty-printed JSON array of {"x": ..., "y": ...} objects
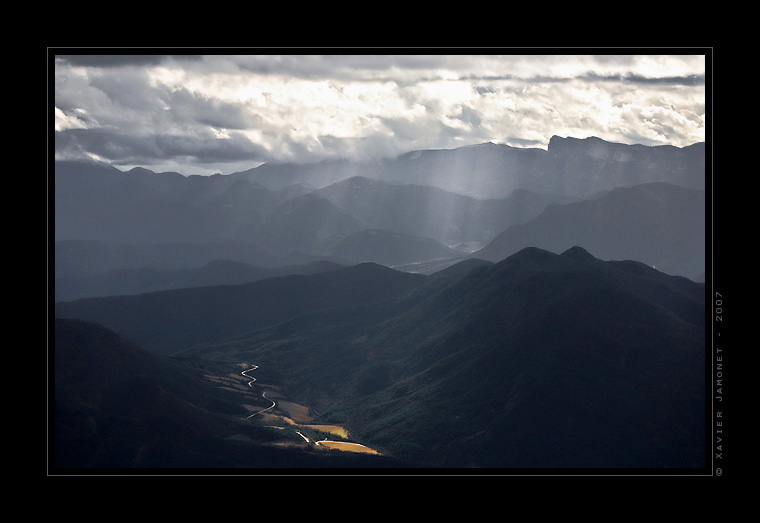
[{"x": 263, "y": 394}]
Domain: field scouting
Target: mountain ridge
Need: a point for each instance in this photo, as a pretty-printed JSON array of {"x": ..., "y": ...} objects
[
  {"x": 115, "y": 282},
  {"x": 163, "y": 321},
  {"x": 533, "y": 339},
  {"x": 462, "y": 197},
  {"x": 660, "y": 224}
]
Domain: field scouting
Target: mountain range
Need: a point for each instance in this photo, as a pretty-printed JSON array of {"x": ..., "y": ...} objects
[
  {"x": 166, "y": 321},
  {"x": 539, "y": 360},
  {"x": 485, "y": 307},
  {"x": 423, "y": 207},
  {"x": 660, "y": 224},
  {"x": 118, "y": 282},
  {"x": 569, "y": 166}
]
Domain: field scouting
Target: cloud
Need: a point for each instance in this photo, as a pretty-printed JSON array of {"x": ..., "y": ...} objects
[
  {"x": 140, "y": 122},
  {"x": 469, "y": 116},
  {"x": 217, "y": 112},
  {"x": 65, "y": 121},
  {"x": 399, "y": 68},
  {"x": 118, "y": 60},
  {"x": 692, "y": 79},
  {"x": 522, "y": 142},
  {"x": 155, "y": 149},
  {"x": 185, "y": 106}
]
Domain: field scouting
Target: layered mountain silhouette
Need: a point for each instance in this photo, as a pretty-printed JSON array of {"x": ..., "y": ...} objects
[
  {"x": 540, "y": 360},
  {"x": 306, "y": 224},
  {"x": 586, "y": 166},
  {"x": 118, "y": 282},
  {"x": 92, "y": 257},
  {"x": 662, "y": 225},
  {"x": 389, "y": 248},
  {"x": 292, "y": 214},
  {"x": 97, "y": 202},
  {"x": 569, "y": 166},
  {"x": 429, "y": 212},
  {"x": 484, "y": 307},
  {"x": 168, "y": 321}
]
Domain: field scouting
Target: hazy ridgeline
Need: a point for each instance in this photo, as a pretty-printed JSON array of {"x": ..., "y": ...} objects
[
  {"x": 478, "y": 307},
  {"x": 422, "y": 206}
]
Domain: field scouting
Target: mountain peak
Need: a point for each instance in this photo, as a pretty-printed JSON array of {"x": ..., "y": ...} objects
[
  {"x": 140, "y": 170},
  {"x": 578, "y": 253},
  {"x": 530, "y": 255},
  {"x": 560, "y": 144}
]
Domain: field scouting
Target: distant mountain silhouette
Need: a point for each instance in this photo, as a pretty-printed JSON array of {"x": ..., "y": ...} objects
[
  {"x": 90, "y": 257},
  {"x": 461, "y": 198},
  {"x": 585, "y": 166},
  {"x": 482, "y": 171},
  {"x": 461, "y": 267},
  {"x": 97, "y": 202},
  {"x": 168, "y": 321},
  {"x": 659, "y": 224},
  {"x": 430, "y": 212},
  {"x": 389, "y": 248},
  {"x": 117, "y": 282},
  {"x": 569, "y": 166},
  {"x": 306, "y": 224},
  {"x": 279, "y": 176}
]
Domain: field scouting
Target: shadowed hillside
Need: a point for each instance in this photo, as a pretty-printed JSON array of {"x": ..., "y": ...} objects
[
  {"x": 168, "y": 321},
  {"x": 541, "y": 360},
  {"x": 117, "y": 408},
  {"x": 118, "y": 282}
]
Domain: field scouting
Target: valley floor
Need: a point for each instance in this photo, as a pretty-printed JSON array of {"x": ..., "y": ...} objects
[{"x": 290, "y": 417}]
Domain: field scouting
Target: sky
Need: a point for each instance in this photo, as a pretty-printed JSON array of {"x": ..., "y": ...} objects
[{"x": 225, "y": 113}]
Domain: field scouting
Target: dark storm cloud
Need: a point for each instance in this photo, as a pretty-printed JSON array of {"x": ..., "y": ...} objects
[
  {"x": 209, "y": 149},
  {"x": 694, "y": 79},
  {"x": 128, "y": 119},
  {"x": 172, "y": 107},
  {"x": 117, "y": 60},
  {"x": 128, "y": 91},
  {"x": 124, "y": 148},
  {"x": 185, "y": 105},
  {"x": 508, "y": 77}
]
